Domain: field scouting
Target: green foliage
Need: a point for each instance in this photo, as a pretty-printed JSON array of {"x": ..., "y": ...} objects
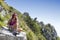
[
  {"x": 34, "y": 26},
  {"x": 58, "y": 38},
  {"x": 7, "y": 16},
  {"x": 35, "y": 19},
  {"x": 2, "y": 20},
  {"x": 2, "y": 24},
  {"x": 11, "y": 8},
  {"x": 31, "y": 36},
  {"x": 41, "y": 37},
  {"x": 0, "y": 3},
  {"x": 29, "y": 25}
]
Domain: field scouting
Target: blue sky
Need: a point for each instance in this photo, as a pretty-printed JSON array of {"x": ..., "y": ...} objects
[{"x": 47, "y": 11}]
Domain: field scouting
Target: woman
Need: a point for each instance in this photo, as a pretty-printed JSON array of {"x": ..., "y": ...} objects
[{"x": 13, "y": 24}]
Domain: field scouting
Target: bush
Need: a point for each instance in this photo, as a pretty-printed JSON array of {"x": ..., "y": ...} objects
[
  {"x": 31, "y": 36},
  {"x": 58, "y": 38},
  {"x": 2, "y": 24}
]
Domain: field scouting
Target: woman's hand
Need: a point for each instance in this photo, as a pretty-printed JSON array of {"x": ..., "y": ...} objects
[{"x": 19, "y": 29}]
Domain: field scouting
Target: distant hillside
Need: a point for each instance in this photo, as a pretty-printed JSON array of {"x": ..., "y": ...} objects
[{"x": 35, "y": 30}]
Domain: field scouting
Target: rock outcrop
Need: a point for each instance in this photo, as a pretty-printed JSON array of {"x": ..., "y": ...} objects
[
  {"x": 49, "y": 32},
  {"x": 6, "y": 35}
]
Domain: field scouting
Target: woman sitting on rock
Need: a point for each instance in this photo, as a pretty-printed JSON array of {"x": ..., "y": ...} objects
[{"x": 13, "y": 24}]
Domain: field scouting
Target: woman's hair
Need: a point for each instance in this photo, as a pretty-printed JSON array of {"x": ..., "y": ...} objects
[{"x": 14, "y": 15}]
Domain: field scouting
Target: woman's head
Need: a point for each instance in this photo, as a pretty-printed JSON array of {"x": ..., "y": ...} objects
[{"x": 14, "y": 15}]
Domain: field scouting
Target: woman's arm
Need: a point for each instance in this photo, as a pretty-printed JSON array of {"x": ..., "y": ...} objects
[
  {"x": 15, "y": 26},
  {"x": 8, "y": 22}
]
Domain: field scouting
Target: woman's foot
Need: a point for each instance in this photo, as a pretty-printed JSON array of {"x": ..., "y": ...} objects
[
  {"x": 19, "y": 29},
  {"x": 14, "y": 33}
]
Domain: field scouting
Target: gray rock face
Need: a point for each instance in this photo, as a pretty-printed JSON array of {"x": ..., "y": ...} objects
[
  {"x": 1, "y": 8},
  {"x": 49, "y": 32},
  {"x": 6, "y": 35}
]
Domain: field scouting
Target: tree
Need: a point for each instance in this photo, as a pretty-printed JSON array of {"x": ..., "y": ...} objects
[
  {"x": 58, "y": 38},
  {"x": 26, "y": 14},
  {"x": 1, "y": 0},
  {"x": 35, "y": 18},
  {"x": 41, "y": 24}
]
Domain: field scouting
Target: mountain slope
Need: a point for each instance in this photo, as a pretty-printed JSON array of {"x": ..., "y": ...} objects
[{"x": 35, "y": 30}]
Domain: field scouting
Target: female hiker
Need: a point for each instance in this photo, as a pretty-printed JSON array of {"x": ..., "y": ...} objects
[{"x": 13, "y": 24}]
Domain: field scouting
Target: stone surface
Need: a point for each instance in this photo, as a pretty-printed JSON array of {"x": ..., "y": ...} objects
[
  {"x": 6, "y": 35},
  {"x": 49, "y": 32}
]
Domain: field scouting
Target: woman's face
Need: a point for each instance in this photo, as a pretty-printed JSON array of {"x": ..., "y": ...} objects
[{"x": 15, "y": 16}]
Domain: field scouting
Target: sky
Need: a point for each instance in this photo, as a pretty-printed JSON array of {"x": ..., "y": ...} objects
[{"x": 47, "y": 11}]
